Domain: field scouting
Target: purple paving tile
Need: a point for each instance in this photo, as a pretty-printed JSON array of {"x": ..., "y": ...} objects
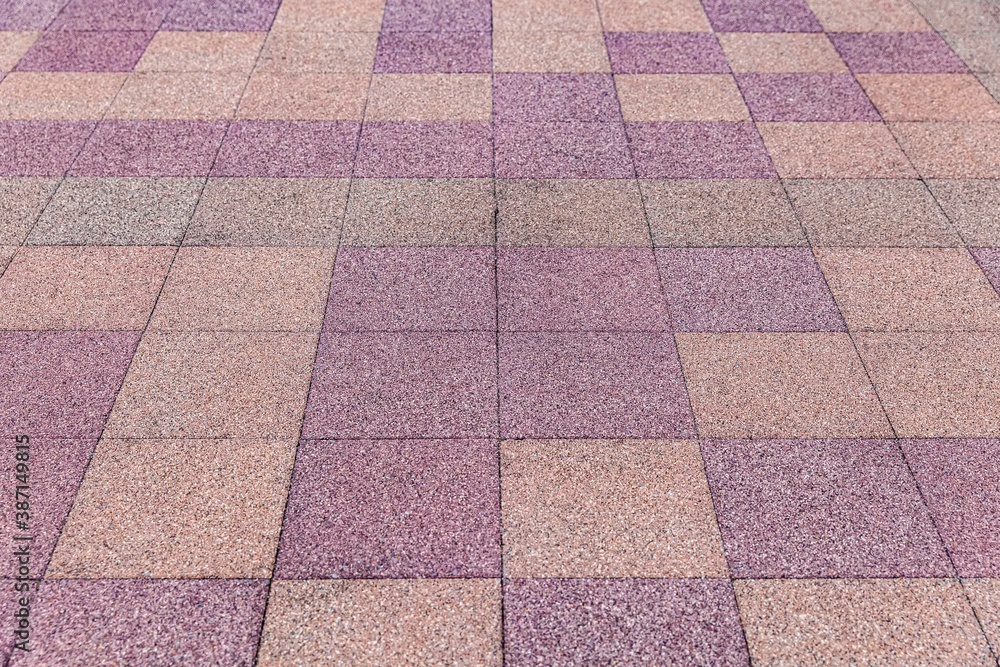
[
  {"x": 665, "y": 53},
  {"x": 61, "y": 384},
  {"x": 592, "y": 385},
  {"x": 393, "y": 508},
  {"x": 891, "y": 52},
  {"x": 747, "y": 289},
  {"x": 761, "y": 16},
  {"x": 806, "y": 97},
  {"x": 222, "y": 15},
  {"x": 28, "y": 14},
  {"x": 622, "y": 622},
  {"x": 56, "y": 469},
  {"x": 288, "y": 149},
  {"x": 412, "y": 289},
  {"x": 437, "y": 16},
  {"x": 588, "y": 98},
  {"x": 150, "y": 148},
  {"x": 403, "y": 385},
  {"x": 562, "y": 150},
  {"x": 40, "y": 147},
  {"x": 425, "y": 150},
  {"x": 699, "y": 150},
  {"x": 989, "y": 262},
  {"x": 85, "y": 51},
  {"x": 146, "y": 622},
  {"x": 112, "y": 15},
  {"x": 821, "y": 508},
  {"x": 580, "y": 289},
  {"x": 960, "y": 480},
  {"x": 415, "y": 52}
]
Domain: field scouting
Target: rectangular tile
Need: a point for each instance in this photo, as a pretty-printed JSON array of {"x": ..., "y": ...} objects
[
  {"x": 425, "y": 150},
  {"x": 698, "y": 150},
  {"x": 288, "y": 149},
  {"x": 150, "y": 148}
]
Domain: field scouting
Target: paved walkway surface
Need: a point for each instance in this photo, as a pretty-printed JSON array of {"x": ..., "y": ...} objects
[{"x": 540, "y": 332}]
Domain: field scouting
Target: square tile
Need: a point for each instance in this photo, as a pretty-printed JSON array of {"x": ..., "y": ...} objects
[
  {"x": 958, "y": 479},
  {"x": 214, "y": 385},
  {"x": 834, "y": 150},
  {"x": 746, "y": 289},
  {"x": 201, "y": 52},
  {"x": 118, "y": 211},
  {"x": 776, "y": 52},
  {"x": 872, "y": 622},
  {"x": 143, "y": 620},
  {"x": 723, "y": 212},
  {"x": 922, "y": 97},
  {"x": 522, "y": 97},
  {"x": 177, "y": 509},
  {"x": 329, "y": 15},
  {"x": 653, "y": 16},
  {"x": 57, "y": 95},
  {"x": 179, "y": 95},
  {"x": 21, "y": 202},
  {"x": 42, "y": 147},
  {"x": 548, "y": 15},
  {"x": 666, "y": 53},
  {"x": 61, "y": 384},
  {"x": 13, "y": 45},
  {"x": 85, "y": 51},
  {"x": 567, "y": 212},
  {"x": 432, "y": 15},
  {"x": 376, "y": 509},
  {"x": 412, "y": 289},
  {"x": 419, "y": 212},
  {"x": 821, "y": 508},
  {"x": 936, "y": 385},
  {"x": 870, "y": 212},
  {"x": 874, "y": 16},
  {"x": 425, "y": 150},
  {"x": 579, "y": 289},
  {"x": 221, "y": 15},
  {"x": 984, "y": 594},
  {"x": 269, "y": 212},
  {"x": 533, "y": 51},
  {"x": 910, "y": 289},
  {"x": 989, "y": 261},
  {"x": 403, "y": 385},
  {"x": 592, "y": 385},
  {"x": 630, "y": 621},
  {"x": 761, "y": 16},
  {"x": 244, "y": 289},
  {"x": 82, "y": 287},
  {"x": 680, "y": 97},
  {"x": 429, "y": 97},
  {"x": 768, "y": 385},
  {"x": 562, "y": 150},
  {"x": 343, "y": 52},
  {"x": 111, "y": 15},
  {"x": 951, "y": 150},
  {"x": 805, "y": 97},
  {"x": 288, "y": 149},
  {"x": 426, "y": 52},
  {"x": 971, "y": 205},
  {"x": 304, "y": 96},
  {"x": 150, "y": 148},
  {"x": 648, "y": 510},
  {"x": 698, "y": 150},
  {"x": 444, "y": 621},
  {"x": 885, "y": 52}
]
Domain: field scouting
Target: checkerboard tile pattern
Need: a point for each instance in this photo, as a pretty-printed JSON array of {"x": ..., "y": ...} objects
[{"x": 485, "y": 332}]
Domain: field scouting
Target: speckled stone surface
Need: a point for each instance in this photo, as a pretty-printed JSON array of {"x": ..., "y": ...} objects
[
  {"x": 698, "y": 150},
  {"x": 150, "y": 148},
  {"x": 288, "y": 149},
  {"x": 897, "y": 52},
  {"x": 805, "y": 97}
]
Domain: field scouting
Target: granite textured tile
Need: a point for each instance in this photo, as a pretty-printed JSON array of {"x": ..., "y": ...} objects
[
  {"x": 821, "y": 508},
  {"x": 776, "y": 52},
  {"x": 539, "y": 98},
  {"x": 761, "y": 16},
  {"x": 720, "y": 212},
  {"x": 430, "y": 97},
  {"x": 412, "y": 289},
  {"x": 978, "y": 44},
  {"x": 378, "y": 509},
  {"x": 433, "y": 15},
  {"x": 936, "y": 385},
  {"x": 536, "y": 51},
  {"x": 959, "y": 15},
  {"x": 680, "y": 97},
  {"x": 971, "y": 206},
  {"x": 984, "y": 594},
  {"x": 344, "y": 52},
  {"x": 13, "y": 45},
  {"x": 403, "y": 385},
  {"x": 930, "y": 97},
  {"x": 343, "y": 623},
  {"x": 178, "y": 51},
  {"x": 877, "y": 16},
  {"x": 416, "y": 52},
  {"x": 118, "y": 211},
  {"x": 82, "y": 287},
  {"x": 607, "y": 508},
  {"x": 29, "y": 14},
  {"x": 805, "y": 97},
  {"x": 772, "y": 385},
  {"x": 594, "y": 385},
  {"x": 698, "y": 150},
  {"x": 304, "y": 96},
  {"x": 150, "y": 148},
  {"x": 57, "y": 95},
  {"x": 425, "y": 150},
  {"x": 85, "y": 51},
  {"x": 834, "y": 150},
  {"x": 666, "y": 53},
  {"x": 7, "y": 253},
  {"x": 111, "y": 15},
  {"x": 221, "y": 15},
  {"x": 628, "y": 621},
  {"x": 214, "y": 385},
  {"x": 548, "y": 15},
  {"x": 42, "y": 147},
  {"x": 746, "y": 289},
  {"x": 177, "y": 509},
  {"x": 989, "y": 261},
  {"x": 329, "y": 16},
  {"x": 869, "y": 621},
  {"x": 61, "y": 384},
  {"x": 21, "y": 202},
  {"x": 885, "y": 52},
  {"x": 179, "y": 96},
  {"x": 951, "y": 150},
  {"x": 562, "y": 150},
  {"x": 288, "y": 149},
  {"x": 653, "y": 16}
]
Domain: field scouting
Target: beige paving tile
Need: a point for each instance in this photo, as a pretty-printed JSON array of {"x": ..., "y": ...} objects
[
  {"x": 834, "y": 150},
  {"x": 526, "y": 51},
  {"x": 781, "y": 52},
  {"x": 951, "y": 150},
  {"x": 304, "y": 96},
  {"x": 971, "y": 205},
  {"x": 383, "y": 622},
  {"x": 7, "y": 253},
  {"x": 653, "y": 16},
  {"x": 928, "y": 97},
  {"x": 201, "y": 52},
  {"x": 985, "y": 597},
  {"x": 177, "y": 509},
  {"x": 179, "y": 95},
  {"x": 680, "y": 97},
  {"x": 57, "y": 95},
  {"x": 329, "y": 16},
  {"x": 21, "y": 202},
  {"x": 868, "y": 16},
  {"x": 557, "y": 15},
  {"x": 430, "y": 97},
  {"x": 13, "y": 45},
  {"x": 343, "y": 52}
]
